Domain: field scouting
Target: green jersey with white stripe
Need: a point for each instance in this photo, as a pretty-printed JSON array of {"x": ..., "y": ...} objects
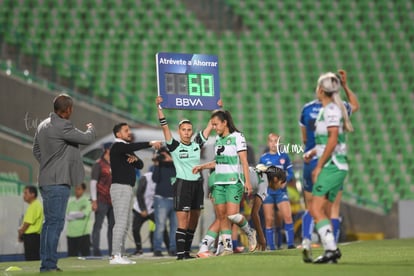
[
  {"x": 228, "y": 167},
  {"x": 331, "y": 116}
]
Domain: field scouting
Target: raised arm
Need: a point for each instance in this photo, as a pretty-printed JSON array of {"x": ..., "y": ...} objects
[
  {"x": 163, "y": 121},
  {"x": 352, "y": 99},
  {"x": 74, "y": 135},
  {"x": 208, "y": 129}
]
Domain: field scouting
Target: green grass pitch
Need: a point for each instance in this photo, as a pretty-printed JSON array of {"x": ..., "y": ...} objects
[{"x": 387, "y": 257}]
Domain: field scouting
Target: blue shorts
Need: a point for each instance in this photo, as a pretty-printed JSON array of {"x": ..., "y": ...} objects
[
  {"x": 307, "y": 175},
  {"x": 276, "y": 197}
]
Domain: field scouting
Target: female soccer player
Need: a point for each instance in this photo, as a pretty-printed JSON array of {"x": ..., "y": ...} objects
[
  {"x": 328, "y": 176},
  {"x": 307, "y": 123},
  {"x": 261, "y": 178},
  {"x": 279, "y": 197},
  {"x": 232, "y": 178}
]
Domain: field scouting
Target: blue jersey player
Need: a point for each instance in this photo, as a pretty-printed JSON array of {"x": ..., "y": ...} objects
[
  {"x": 307, "y": 123},
  {"x": 277, "y": 197}
]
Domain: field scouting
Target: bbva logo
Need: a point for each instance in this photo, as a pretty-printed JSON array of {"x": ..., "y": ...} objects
[{"x": 188, "y": 102}]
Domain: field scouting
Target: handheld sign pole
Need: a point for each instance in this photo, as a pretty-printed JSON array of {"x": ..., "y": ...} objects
[{"x": 188, "y": 81}]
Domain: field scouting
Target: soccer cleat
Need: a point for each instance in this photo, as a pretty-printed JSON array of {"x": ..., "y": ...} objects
[
  {"x": 252, "y": 240},
  {"x": 226, "y": 252},
  {"x": 329, "y": 257},
  {"x": 228, "y": 248},
  {"x": 118, "y": 259},
  {"x": 307, "y": 251},
  {"x": 205, "y": 254},
  {"x": 188, "y": 256},
  {"x": 220, "y": 248}
]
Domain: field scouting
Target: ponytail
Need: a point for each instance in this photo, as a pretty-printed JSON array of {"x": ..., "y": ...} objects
[
  {"x": 338, "y": 101},
  {"x": 225, "y": 115}
]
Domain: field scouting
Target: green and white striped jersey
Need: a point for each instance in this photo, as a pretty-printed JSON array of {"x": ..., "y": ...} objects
[
  {"x": 228, "y": 167},
  {"x": 329, "y": 116}
]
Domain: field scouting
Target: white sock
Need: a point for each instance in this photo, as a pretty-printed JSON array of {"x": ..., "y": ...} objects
[
  {"x": 220, "y": 246},
  {"x": 206, "y": 243},
  {"x": 246, "y": 228},
  {"x": 327, "y": 237},
  {"x": 227, "y": 241}
]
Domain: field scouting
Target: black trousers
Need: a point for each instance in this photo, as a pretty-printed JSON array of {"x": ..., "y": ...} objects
[
  {"x": 79, "y": 246},
  {"x": 31, "y": 243},
  {"x": 137, "y": 223},
  {"x": 104, "y": 210}
]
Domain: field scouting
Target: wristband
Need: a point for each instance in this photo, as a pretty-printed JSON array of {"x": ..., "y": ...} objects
[{"x": 163, "y": 121}]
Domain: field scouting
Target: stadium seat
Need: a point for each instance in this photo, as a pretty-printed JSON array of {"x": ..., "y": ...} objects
[{"x": 268, "y": 68}]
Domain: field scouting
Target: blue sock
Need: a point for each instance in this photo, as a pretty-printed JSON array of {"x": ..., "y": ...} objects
[
  {"x": 336, "y": 227},
  {"x": 307, "y": 225},
  {"x": 270, "y": 238},
  {"x": 279, "y": 237},
  {"x": 289, "y": 234},
  {"x": 235, "y": 243}
]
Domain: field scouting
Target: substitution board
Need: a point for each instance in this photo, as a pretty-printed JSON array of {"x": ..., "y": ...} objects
[{"x": 188, "y": 81}]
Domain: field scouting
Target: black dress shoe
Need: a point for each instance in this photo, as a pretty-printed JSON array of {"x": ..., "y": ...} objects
[
  {"x": 52, "y": 270},
  {"x": 158, "y": 254}
]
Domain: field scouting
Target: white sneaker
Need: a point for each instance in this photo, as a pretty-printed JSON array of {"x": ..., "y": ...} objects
[
  {"x": 118, "y": 259},
  {"x": 252, "y": 240},
  {"x": 125, "y": 258}
]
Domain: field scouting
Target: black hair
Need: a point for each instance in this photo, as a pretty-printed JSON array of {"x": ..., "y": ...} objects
[
  {"x": 164, "y": 149},
  {"x": 32, "y": 190},
  {"x": 273, "y": 171},
  {"x": 225, "y": 115},
  {"x": 83, "y": 185},
  {"x": 62, "y": 102},
  {"x": 118, "y": 127},
  {"x": 184, "y": 121}
]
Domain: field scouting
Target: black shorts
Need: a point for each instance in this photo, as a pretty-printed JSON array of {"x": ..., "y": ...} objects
[{"x": 188, "y": 195}]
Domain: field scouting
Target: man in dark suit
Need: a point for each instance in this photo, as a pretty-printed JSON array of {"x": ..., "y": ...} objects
[{"x": 56, "y": 148}]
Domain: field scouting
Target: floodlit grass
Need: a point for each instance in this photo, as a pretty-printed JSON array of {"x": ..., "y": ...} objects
[{"x": 388, "y": 257}]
